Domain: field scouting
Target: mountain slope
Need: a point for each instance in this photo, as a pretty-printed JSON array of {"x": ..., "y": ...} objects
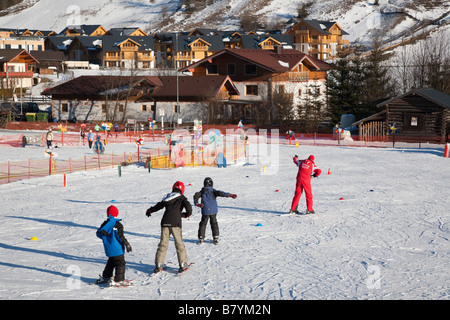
[{"x": 361, "y": 19}]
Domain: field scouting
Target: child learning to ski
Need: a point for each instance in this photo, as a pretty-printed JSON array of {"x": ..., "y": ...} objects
[
  {"x": 114, "y": 243},
  {"x": 306, "y": 170},
  {"x": 209, "y": 207},
  {"x": 174, "y": 204}
]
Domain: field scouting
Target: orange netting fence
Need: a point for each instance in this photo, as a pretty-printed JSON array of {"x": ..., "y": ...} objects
[{"x": 185, "y": 149}]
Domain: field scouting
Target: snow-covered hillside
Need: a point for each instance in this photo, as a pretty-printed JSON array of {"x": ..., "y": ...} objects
[
  {"x": 388, "y": 238},
  {"x": 358, "y": 18}
]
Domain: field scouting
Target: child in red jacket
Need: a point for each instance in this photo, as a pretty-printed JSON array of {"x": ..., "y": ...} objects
[{"x": 306, "y": 170}]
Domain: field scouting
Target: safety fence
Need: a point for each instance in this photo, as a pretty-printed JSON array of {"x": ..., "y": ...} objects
[
  {"x": 172, "y": 154},
  {"x": 178, "y": 151},
  {"x": 73, "y": 138}
]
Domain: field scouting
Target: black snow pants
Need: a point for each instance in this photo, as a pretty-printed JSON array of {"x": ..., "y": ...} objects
[
  {"x": 214, "y": 226},
  {"x": 118, "y": 263}
]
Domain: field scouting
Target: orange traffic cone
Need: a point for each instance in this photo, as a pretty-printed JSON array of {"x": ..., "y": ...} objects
[
  {"x": 446, "y": 151},
  {"x": 329, "y": 171}
]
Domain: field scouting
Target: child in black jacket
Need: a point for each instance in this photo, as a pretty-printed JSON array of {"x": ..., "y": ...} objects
[
  {"x": 174, "y": 203},
  {"x": 209, "y": 207}
]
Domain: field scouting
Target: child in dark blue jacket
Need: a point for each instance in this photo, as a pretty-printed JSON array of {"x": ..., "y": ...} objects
[
  {"x": 114, "y": 243},
  {"x": 209, "y": 207}
]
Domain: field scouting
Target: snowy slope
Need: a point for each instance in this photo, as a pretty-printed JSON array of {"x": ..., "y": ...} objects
[
  {"x": 388, "y": 239},
  {"x": 359, "y": 18}
]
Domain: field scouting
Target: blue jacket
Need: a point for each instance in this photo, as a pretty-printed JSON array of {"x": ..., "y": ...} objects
[
  {"x": 112, "y": 243},
  {"x": 208, "y": 197}
]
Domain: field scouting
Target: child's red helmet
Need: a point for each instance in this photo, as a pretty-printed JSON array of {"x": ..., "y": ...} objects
[
  {"x": 178, "y": 185},
  {"x": 112, "y": 211}
]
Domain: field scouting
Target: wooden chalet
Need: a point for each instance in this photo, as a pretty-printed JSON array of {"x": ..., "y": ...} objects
[
  {"x": 128, "y": 52},
  {"x": 85, "y": 48},
  {"x": 258, "y": 74},
  {"x": 418, "y": 114},
  {"x": 188, "y": 49},
  {"x": 321, "y": 39},
  {"x": 16, "y": 68},
  {"x": 83, "y": 30}
]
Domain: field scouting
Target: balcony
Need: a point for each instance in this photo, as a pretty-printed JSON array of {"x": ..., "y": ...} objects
[
  {"x": 293, "y": 76},
  {"x": 17, "y": 74},
  {"x": 227, "y": 96}
]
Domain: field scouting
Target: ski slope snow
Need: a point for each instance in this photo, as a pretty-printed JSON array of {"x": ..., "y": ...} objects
[{"x": 388, "y": 238}]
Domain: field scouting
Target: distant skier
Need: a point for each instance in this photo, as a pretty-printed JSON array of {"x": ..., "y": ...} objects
[
  {"x": 90, "y": 137},
  {"x": 174, "y": 204},
  {"x": 209, "y": 207},
  {"x": 114, "y": 243},
  {"x": 307, "y": 169},
  {"x": 49, "y": 138}
]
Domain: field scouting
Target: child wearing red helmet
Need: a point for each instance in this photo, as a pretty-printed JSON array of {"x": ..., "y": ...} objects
[
  {"x": 114, "y": 243},
  {"x": 174, "y": 204}
]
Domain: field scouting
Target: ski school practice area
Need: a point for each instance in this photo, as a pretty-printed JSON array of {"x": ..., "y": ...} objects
[{"x": 381, "y": 228}]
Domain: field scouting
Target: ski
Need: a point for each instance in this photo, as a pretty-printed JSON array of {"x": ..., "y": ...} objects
[
  {"x": 184, "y": 271},
  {"x": 112, "y": 284},
  {"x": 123, "y": 284}
]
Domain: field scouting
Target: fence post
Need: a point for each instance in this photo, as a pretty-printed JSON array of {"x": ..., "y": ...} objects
[
  {"x": 85, "y": 164},
  {"x": 50, "y": 165},
  {"x": 9, "y": 171}
]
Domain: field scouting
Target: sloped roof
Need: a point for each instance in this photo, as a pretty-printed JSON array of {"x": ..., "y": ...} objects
[
  {"x": 7, "y": 55},
  {"x": 183, "y": 42},
  {"x": 110, "y": 43},
  {"x": 252, "y": 41},
  {"x": 431, "y": 94},
  {"x": 89, "y": 86},
  {"x": 267, "y": 59},
  {"x": 189, "y": 87},
  {"x": 320, "y": 25}
]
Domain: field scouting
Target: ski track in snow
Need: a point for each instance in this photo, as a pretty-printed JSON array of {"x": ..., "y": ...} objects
[{"x": 388, "y": 238}]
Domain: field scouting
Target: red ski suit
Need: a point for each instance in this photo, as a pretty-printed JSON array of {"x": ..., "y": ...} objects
[{"x": 305, "y": 169}]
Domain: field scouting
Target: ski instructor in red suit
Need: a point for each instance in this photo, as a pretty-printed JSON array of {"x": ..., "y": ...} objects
[{"x": 306, "y": 170}]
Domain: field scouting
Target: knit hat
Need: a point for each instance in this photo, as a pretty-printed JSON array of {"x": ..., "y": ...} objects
[
  {"x": 112, "y": 211},
  {"x": 311, "y": 157}
]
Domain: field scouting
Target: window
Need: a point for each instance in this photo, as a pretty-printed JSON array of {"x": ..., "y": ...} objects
[
  {"x": 251, "y": 90},
  {"x": 176, "y": 109},
  {"x": 231, "y": 69},
  {"x": 212, "y": 69},
  {"x": 414, "y": 121},
  {"x": 64, "y": 107},
  {"x": 250, "y": 69},
  {"x": 144, "y": 107},
  {"x": 103, "y": 108}
]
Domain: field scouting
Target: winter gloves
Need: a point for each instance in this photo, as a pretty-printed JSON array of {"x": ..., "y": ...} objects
[{"x": 232, "y": 195}]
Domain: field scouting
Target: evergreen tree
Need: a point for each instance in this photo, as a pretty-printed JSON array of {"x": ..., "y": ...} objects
[
  {"x": 340, "y": 88},
  {"x": 377, "y": 85}
]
